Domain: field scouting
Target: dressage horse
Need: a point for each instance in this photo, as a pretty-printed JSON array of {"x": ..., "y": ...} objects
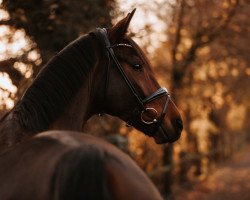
[
  {"x": 104, "y": 71},
  {"x": 64, "y": 165}
]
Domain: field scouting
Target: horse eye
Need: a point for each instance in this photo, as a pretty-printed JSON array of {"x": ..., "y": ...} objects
[{"x": 137, "y": 67}]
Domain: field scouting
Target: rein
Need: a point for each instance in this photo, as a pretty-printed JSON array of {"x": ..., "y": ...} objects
[{"x": 141, "y": 109}]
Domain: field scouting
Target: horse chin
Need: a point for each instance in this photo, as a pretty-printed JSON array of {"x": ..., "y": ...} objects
[{"x": 162, "y": 136}]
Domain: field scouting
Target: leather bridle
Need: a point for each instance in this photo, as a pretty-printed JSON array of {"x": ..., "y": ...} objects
[{"x": 141, "y": 109}]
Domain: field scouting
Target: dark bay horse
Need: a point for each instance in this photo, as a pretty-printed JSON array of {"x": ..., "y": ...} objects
[
  {"x": 104, "y": 71},
  {"x": 65, "y": 165}
]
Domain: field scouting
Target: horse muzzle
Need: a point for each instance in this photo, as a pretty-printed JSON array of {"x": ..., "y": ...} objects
[{"x": 168, "y": 135}]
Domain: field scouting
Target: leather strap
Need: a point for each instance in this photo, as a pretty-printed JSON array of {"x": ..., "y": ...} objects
[
  {"x": 102, "y": 33},
  {"x": 159, "y": 93}
]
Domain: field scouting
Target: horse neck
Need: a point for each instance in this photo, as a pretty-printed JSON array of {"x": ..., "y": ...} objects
[
  {"x": 87, "y": 102},
  {"x": 82, "y": 106}
]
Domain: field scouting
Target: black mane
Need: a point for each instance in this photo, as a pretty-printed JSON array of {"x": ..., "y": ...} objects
[{"x": 56, "y": 85}]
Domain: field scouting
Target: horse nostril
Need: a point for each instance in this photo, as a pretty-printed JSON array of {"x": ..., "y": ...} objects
[{"x": 179, "y": 125}]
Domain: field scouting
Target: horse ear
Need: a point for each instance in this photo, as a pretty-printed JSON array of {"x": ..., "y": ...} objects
[{"x": 118, "y": 31}]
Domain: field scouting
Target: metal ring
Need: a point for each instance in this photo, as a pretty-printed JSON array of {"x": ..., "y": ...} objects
[{"x": 149, "y": 122}]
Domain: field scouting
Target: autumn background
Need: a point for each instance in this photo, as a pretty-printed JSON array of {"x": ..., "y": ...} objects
[{"x": 200, "y": 50}]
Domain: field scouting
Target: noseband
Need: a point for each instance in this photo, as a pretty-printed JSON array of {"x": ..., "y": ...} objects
[{"x": 141, "y": 109}]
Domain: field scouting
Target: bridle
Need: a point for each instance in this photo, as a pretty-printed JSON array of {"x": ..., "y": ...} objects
[{"x": 141, "y": 109}]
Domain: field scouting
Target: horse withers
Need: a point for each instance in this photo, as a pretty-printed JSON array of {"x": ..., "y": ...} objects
[
  {"x": 104, "y": 71},
  {"x": 66, "y": 165}
]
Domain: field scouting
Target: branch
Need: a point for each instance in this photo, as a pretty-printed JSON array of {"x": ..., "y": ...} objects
[
  {"x": 8, "y": 22},
  {"x": 14, "y": 74},
  {"x": 213, "y": 33},
  {"x": 178, "y": 32}
]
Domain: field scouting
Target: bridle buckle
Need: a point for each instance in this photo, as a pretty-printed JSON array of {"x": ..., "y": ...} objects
[{"x": 154, "y": 118}]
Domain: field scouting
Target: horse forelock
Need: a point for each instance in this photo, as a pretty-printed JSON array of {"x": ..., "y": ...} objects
[{"x": 56, "y": 84}]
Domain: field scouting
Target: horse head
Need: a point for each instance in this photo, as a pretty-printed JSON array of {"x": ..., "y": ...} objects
[{"x": 130, "y": 89}]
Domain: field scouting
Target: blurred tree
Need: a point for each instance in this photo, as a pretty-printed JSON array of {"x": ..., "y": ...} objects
[
  {"x": 201, "y": 32},
  {"x": 51, "y": 25}
]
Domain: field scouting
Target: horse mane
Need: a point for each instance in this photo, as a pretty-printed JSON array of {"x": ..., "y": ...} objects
[
  {"x": 80, "y": 174},
  {"x": 56, "y": 85}
]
